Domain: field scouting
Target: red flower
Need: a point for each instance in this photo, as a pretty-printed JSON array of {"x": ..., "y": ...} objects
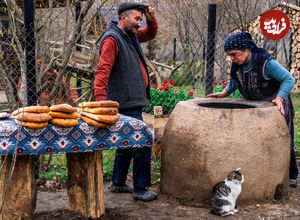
[
  {"x": 166, "y": 87},
  {"x": 164, "y": 84},
  {"x": 160, "y": 88},
  {"x": 154, "y": 86},
  {"x": 224, "y": 86},
  {"x": 222, "y": 81},
  {"x": 165, "y": 81},
  {"x": 215, "y": 83},
  {"x": 190, "y": 93},
  {"x": 172, "y": 82}
]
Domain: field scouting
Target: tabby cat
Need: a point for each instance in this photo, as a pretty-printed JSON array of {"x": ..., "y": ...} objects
[{"x": 225, "y": 193}]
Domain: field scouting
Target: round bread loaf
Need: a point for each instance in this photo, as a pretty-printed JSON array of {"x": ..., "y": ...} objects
[
  {"x": 94, "y": 122},
  {"x": 33, "y": 125},
  {"x": 102, "y": 110},
  {"x": 32, "y": 109},
  {"x": 33, "y": 117},
  {"x": 107, "y": 103},
  {"x": 108, "y": 119},
  {"x": 64, "y": 115},
  {"x": 64, "y": 122},
  {"x": 63, "y": 108},
  {"x": 78, "y": 109},
  {"x": 17, "y": 111}
]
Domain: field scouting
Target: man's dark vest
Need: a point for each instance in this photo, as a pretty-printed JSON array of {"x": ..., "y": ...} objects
[
  {"x": 256, "y": 86},
  {"x": 126, "y": 83}
]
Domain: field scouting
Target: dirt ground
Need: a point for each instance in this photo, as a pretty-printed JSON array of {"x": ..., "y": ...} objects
[{"x": 54, "y": 205}]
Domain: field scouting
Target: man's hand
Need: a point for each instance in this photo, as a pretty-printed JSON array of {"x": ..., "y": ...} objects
[
  {"x": 278, "y": 101},
  {"x": 149, "y": 14},
  {"x": 222, "y": 94}
]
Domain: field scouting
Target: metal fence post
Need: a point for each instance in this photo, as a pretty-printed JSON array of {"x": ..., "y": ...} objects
[
  {"x": 30, "y": 52},
  {"x": 210, "y": 55}
]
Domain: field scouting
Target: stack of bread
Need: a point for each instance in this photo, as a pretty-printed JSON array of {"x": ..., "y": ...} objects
[
  {"x": 100, "y": 114},
  {"x": 32, "y": 116},
  {"x": 64, "y": 115}
]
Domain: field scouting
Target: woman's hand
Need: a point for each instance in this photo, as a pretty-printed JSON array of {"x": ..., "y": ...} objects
[
  {"x": 278, "y": 101},
  {"x": 222, "y": 94}
]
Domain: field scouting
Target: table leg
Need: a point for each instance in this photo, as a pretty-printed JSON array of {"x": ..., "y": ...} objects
[
  {"x": 85, "y": 183},
  {"x": 21, "y": 194}
]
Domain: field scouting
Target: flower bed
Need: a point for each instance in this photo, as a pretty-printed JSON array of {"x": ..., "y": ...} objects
[{"x": 167, "y": 96}]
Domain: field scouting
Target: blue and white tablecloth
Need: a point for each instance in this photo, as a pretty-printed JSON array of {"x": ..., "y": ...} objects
[{"x": 126, "y": 133}]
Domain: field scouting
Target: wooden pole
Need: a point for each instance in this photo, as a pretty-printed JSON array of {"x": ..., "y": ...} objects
[
  {"x": 85, "y": 184},
  {"x": 66, "y": 27},
  {"x": 20, "y": 201}
]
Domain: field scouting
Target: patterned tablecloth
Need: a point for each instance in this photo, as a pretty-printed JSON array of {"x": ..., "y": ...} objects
[{"x": 127, "y": 133}]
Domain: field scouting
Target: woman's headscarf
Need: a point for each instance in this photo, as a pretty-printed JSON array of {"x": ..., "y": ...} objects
[{"x": 239, "y": 41}]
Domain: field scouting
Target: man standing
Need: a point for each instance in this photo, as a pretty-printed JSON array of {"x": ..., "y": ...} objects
[{"x": 122, "y": 76}]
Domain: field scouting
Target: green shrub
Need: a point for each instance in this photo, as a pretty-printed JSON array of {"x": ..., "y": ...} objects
[
  {"x": 219, "y": 86},
  {"x": 191, "y": 69},
  {"x": 296, "y": 103},
  {"x": 168, "y": 96}
]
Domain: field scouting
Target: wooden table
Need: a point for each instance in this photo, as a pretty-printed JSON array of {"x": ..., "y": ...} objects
[{"x": 83, "y": 145}]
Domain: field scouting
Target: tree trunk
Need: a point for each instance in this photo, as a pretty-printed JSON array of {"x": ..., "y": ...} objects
[
  {"x": 20, "y": 200},
  {"x": 85, "y": 184}
]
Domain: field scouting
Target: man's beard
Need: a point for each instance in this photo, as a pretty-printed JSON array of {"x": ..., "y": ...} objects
[{"x": 132, "y": 29}]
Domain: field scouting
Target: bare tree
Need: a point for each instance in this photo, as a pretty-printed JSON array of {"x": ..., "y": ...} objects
[
  {"x": 54, "y": 23},
  {"x": 187, "y": 21}
]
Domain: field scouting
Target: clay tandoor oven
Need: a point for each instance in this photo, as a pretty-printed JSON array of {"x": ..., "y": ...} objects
[{"x": 205, "y": 139}]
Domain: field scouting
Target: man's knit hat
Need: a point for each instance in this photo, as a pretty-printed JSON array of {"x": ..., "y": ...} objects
[{"x": 125, "y": 6}]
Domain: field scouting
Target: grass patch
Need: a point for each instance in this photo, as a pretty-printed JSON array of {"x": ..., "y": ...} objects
[
  {"x": 2, "y": 108},
  {"x": 155, "y": 170},
  {"x": 296, "y": 102},
  {"x": 108, "y": 163},
  {"x": 58, "y": 167}
]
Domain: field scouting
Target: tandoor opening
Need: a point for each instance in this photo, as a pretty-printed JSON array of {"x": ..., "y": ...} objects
[{"x": 226, "y": 105}]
